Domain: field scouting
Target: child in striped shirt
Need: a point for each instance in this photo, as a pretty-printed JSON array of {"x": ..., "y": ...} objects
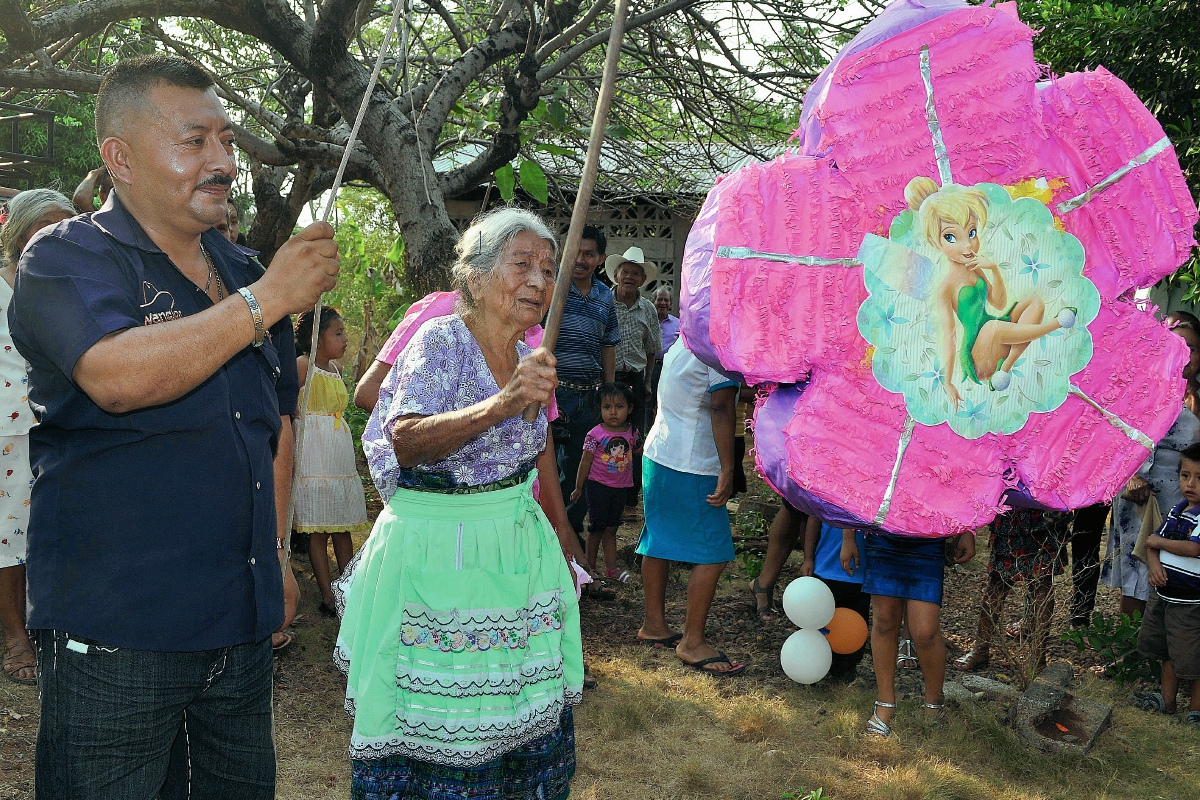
[{"x": 1171, "y": 628}]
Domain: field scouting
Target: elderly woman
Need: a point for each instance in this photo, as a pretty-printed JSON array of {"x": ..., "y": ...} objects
[
  {"x": 28, "y": 213},
  {"x": 460, "y": 631}
]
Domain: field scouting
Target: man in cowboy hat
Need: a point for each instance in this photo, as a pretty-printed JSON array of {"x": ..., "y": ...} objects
[{"x": 641, "y": 337}]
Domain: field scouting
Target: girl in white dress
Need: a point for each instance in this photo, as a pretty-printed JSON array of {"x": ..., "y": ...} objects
[{"x": 330, "y": 502}]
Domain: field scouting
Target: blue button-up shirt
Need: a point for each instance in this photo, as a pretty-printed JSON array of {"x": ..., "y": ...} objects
[
  {"x": 153, "y": 529},
  {"x": 588, "y": 324}
]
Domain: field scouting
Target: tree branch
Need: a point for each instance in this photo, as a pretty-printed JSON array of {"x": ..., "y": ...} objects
[
  {"x": 572, "y": 55},
  {"x": 17, "y": 30},
  {"x": 454, "y": 81},
  {"x": 362, "y": 165},
  {"x": 451, "y": 24},
  {"x": 570, "y": 33},
  {"x": 53, "y": 78},
  {"x": 271, "y": 21}
]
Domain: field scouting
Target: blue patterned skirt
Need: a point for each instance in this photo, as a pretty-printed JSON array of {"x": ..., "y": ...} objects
[{"x": 539, "y": 770}]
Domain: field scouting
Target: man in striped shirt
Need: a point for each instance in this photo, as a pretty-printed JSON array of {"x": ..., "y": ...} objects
[{"x": 587, "y": 356}]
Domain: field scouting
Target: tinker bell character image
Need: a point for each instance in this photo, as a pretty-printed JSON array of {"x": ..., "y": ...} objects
[{"x": 953, "y": 219}]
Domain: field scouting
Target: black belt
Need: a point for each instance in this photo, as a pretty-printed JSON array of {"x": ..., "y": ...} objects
[{"x": 578, "y": 386}]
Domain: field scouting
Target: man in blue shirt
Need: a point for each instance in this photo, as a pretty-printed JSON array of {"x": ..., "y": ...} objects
[
  {"x": 587, "y": 356},
  {"x": 160, "y": 365}
]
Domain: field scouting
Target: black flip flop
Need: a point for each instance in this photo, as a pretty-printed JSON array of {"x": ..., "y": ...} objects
[
  {"x": 720, "y": 658},
  {"x": 669, "y": 641}
]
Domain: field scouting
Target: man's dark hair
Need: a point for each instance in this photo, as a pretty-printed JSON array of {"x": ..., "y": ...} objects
[
  {"x": 127, "y": 83},
  {"x": 1192, "y": 453},
  {"x": 597, "y": 236}
]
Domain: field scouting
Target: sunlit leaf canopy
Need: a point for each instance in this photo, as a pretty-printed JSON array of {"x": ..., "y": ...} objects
[{"x": 467, "y": 88}]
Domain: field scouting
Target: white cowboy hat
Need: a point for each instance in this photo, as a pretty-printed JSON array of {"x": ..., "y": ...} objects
[{"x": 635, "y": 255}]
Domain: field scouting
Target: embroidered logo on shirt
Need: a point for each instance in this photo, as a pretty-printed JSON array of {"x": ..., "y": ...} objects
[{"x": 151, "y": 297}]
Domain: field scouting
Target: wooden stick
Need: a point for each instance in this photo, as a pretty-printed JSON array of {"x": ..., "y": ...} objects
[
  {"x": 302, "y": 412},
  {"x": 562, "y": 284}
]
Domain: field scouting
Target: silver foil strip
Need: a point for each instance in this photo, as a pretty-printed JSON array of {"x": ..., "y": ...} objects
[
  {"x": 806, "y": 261},
  {"x": 905, "y": 440},
  {"x": 1118, "y": 423},
  {"x": 935, "y": 129},
  {"x": 1138, "y": 160}
]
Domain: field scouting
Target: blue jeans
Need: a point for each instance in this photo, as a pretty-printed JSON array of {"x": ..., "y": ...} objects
[
  {"x": 121, "y": 724},
  {"x": 578, "y": 413}
]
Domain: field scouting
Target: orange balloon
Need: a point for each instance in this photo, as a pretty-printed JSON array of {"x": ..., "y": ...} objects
[{"x": 847, "y": 631}]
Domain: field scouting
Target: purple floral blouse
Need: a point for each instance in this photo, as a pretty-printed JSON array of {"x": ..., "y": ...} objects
[{"x": 443, "y": 369}]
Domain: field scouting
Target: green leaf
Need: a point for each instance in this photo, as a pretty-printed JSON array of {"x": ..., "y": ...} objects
[
  {"x": 533, "y": 181},
  {"x": 558, "y": 114},
  {"x": 616, "y": 131},
  {"x": 506, "y": 182},
  {"x": 396, "y": 253},
  {"x": 554, "y": 149}
]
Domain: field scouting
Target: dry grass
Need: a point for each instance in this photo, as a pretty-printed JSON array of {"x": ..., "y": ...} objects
[{"x": 654, "y": 730}]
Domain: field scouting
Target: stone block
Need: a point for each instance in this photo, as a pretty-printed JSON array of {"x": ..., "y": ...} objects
[
  {"x": 1055, "y": 721},
  {"x": 993, "y": 689}
]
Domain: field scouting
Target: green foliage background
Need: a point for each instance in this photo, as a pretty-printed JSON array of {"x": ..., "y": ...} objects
[{"x": 1152, "y": 45}]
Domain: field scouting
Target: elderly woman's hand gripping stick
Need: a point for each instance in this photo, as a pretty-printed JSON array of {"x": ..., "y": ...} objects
[{"x": 418, "y": 439}]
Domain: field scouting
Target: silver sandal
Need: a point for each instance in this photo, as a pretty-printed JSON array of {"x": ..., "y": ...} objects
[
  {"x": 938, "y": 719},
  {"x": 906, "y": 657},
  {"x": 877, "y": 727}
]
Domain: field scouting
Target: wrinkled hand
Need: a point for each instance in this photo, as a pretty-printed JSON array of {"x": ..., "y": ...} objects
[
  {"x": 304, "y": 267},
  {"x": 724, "y": 489},
  {"x": 965, "y": 550},
  {"x": 1137, "y": 490},
  {"x": 533, "y": 381}
]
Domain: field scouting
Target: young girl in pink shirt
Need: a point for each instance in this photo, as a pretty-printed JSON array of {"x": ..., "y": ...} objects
[{"x": 606, "y": 474}]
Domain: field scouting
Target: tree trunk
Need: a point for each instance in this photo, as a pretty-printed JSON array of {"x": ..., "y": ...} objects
[{"x": 429, "y": 241}]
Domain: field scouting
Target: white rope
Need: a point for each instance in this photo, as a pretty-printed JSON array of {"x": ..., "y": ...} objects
[{"x": 316, "y": 328}]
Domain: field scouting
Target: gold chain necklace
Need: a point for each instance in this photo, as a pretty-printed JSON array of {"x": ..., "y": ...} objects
[{"x": 212, "y": 270}]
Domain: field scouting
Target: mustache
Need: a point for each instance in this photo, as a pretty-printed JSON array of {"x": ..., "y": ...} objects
[{"x": 216, "y": 180}]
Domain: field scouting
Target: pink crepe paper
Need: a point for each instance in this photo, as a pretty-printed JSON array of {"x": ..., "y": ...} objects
[{"x": 789, "y": 322}]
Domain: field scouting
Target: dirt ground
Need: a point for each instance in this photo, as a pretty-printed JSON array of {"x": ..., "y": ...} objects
[{"x": 654, "y": 729}]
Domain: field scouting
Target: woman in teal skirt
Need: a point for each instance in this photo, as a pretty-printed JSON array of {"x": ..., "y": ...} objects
[
  {"x": 460, "y": 623},
  {"x": 687, "y": 477}
]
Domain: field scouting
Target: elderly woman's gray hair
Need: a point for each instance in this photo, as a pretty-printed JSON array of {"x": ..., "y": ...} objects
[
  {"x": 483, "y": 243},
  {"x": 24, "y": 211}
]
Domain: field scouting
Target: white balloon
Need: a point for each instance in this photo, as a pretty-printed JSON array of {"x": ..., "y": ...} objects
[
  {"x": 808, "y": 603},
  {"x": 805, "y": 656}
]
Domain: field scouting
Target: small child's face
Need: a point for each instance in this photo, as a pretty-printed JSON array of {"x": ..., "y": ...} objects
[
  {"x": 614, "y": 411},
  {"x": 333, "y": 341},
  {"x": 1189, "y": 481}
]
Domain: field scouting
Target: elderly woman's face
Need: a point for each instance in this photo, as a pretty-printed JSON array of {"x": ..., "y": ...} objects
[
  {"x": 522, "y": 283},
  {"x": 52, "y": 216}
]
